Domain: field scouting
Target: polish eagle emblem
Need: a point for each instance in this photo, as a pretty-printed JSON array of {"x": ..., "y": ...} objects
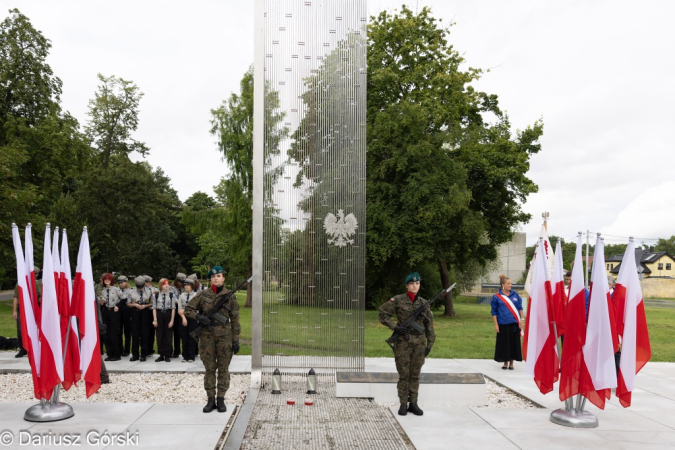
[{"x": 340, "y": 228}]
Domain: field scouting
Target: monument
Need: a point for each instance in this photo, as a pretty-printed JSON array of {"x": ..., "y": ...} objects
[{"x": 309, "y": 211}]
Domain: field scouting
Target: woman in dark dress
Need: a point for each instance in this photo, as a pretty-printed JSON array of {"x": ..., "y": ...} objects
[{"x": 507, "y": 308}]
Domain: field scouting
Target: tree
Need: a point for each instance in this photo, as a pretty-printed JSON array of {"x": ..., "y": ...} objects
[
  {"x": 113, "y": 116},
  {"x": 130, "y": 211},
  {"x": 232, "y": 123},
  {"x": 444, "y": 183},
  {"x": 666, "y": 245},
  {"x": 42, "y": 152}
]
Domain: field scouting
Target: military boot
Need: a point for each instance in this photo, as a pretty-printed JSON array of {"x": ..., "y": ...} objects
[
  {"x": 403, "y": 410},
  {"x": 221, "y": 404},
  {"x": 413, "y": 408},
  {"x": 210, "y": 405}
]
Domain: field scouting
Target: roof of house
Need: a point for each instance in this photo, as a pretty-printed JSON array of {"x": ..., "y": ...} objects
[{"x": 643, "y": 256}]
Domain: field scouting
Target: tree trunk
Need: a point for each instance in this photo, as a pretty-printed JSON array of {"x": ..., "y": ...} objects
[{"x": 445, "y": 280}]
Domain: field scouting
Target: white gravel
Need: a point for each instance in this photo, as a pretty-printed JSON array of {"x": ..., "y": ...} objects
[
  {"x": 130, "y": 388},
  {"x": 501, "y": 397}
]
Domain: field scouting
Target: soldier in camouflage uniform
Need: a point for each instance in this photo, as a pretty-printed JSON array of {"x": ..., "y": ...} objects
[
  {"x": 409, "y": 353},
  {"x": 217, "y": 345}
]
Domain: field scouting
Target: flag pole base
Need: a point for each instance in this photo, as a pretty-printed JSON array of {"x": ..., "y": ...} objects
[
  {"x": 574, "y": 419},
  {"x": 48, "y": 412}
]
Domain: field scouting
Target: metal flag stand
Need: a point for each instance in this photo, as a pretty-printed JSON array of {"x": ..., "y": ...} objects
[
  {"x": 573, "y": 416},
  {"x": 51, "y": 410}
]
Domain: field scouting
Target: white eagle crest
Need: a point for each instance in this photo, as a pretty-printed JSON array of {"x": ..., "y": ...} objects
[{"x": 340, "y": 228}]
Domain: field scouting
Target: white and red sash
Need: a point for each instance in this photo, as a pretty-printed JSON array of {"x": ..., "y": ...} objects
[{"x": 511, "y": 307}]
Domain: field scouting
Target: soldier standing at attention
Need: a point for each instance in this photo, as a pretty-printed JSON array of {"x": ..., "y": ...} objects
[
  {"x": 177, "y": 289},
  {"x": 216, "y": 345},
  {"x": 125, "y": 315},
  {"x": 163, "y": 315},
  {"x": 409, "y": 353},
  {"x": 109, "y": 298}
]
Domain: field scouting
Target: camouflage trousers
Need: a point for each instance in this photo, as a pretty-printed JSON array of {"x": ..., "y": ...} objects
[
  {"x": 409, "y": 356},
  {"x": 215, "y": 350}
]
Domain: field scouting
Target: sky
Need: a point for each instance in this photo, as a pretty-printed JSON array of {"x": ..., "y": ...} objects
[{"x": 598, "y": 74}]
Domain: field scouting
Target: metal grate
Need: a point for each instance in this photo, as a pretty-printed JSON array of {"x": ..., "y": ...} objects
[
  {"x": 331, "y": 423},
  {"x": 312, "y": 246}
]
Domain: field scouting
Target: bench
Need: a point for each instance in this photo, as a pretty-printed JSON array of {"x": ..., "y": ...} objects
[{"x": 443, "y": 389}]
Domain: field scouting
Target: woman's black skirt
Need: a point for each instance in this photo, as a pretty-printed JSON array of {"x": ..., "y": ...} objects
[{"x": 507, "y": 347}]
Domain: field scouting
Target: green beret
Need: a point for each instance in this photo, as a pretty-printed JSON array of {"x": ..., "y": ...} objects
[
  {"x": 412, "y": 277},
  {"x": 214, "y": 270}
]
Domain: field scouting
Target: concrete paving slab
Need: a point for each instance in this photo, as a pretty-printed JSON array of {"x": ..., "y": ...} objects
[
  {"x": 561, "y": 439},
  {"x": 666, "y": 418},
  {"x": 639, "y": 439},
  {"x": 456, "y": 428},
  {"x": 175, "y": 437},
  {"x": 512, "y": 418},
  {"x": 184, "y": 414}
]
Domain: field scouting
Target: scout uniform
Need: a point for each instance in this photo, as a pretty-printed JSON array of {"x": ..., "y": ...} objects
[
  {"x": 177, "y": 324},
  {"x": 217, "y": 345},
  {"x": 409, "y": 353},
  {"x": 151, "y": 289},
  {"x": 189, "y": 344},
  {"x": 109, "y": 299},
  {"x": 125, "y": 316},
  {"x": 162, "y": 304},
  {"x": 141, "y": 320}
]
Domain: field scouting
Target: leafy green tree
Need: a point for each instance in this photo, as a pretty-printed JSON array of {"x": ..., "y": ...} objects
[
  {"x": 129, "y": 209},
  {"x": 232, "y": 124},
  {"x": 42, "y": 153},
  {"x": 445, "y": 185},
  {"x": 666, "y": 245},
  {"x": 113, "y": 116}
]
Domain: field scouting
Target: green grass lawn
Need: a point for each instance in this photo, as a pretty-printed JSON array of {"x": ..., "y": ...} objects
[{"x": 469, "y": 335}]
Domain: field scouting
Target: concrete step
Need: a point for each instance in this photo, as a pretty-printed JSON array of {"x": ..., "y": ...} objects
[{"x": 440, "y": 389}]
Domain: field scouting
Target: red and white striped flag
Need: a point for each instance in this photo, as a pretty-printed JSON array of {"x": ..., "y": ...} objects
[
  {"x": 542, "y": 353},
  {"x": 30, "y": 272},
  {"x": 631, "y": 325},
  {"x": 84, "y": 307},
  {"x": 601, "y": 340},
  {"x": 71, "y": 363},
  {"x": 56, "y": 260},
  {"x": 29, "y": 330},
  {"x": 559, "y": 299},
  {"x": 548, "y": 252},
  {"x": 51, "y": 361},
  {"x": 572, "y": 359}
]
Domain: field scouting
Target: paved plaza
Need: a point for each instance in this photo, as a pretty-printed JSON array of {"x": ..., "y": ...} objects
[{"x": 648, "y": 424}]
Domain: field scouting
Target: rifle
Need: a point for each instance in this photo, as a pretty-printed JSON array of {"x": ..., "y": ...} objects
[
  {"x": 214, "y": 314},
  {"x": 411, "y": 322}
]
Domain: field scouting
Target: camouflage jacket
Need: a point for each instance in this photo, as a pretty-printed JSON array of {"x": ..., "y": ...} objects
[
  {"x": 402, "y": 307},
  {"x": 205, "y": 300}
]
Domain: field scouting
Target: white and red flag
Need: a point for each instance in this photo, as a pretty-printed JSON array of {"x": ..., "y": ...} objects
[
  {"x": 56, "y": 260},
  {"x": 84, "y": 307},
  {"x": 548, "y": 252},
  {"x": 559, "y": 298},
  {"x": 71, "y": 363},
  {"x": 601, "y": 340},
  {"x": 29, "y": 334},
  {"x": 631, "y": 325},
  {"x": 572, "y": 359},
  {"x": 540, "y": 345},
  {"x": 51, "y": 356},
  {"x": 30, "y": 272}
]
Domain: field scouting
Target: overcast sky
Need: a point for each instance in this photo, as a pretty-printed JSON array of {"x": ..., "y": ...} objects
[{"x": 599, "y": 74}]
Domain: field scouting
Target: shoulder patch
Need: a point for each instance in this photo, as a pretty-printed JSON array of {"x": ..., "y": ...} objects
[{"x": 391, "y": 299}]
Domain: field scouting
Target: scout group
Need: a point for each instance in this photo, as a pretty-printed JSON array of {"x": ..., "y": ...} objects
[
  {"x": 130, "y": 318},
  {"x": 134, "y": 316}
]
